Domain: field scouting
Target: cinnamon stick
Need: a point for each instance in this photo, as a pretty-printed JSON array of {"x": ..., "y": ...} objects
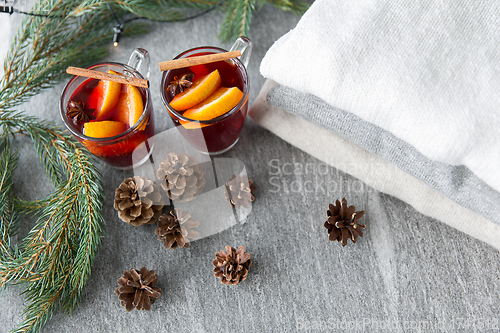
[
  {"x": 199, "y": 60},
  {"x": 108, "y": 77}
]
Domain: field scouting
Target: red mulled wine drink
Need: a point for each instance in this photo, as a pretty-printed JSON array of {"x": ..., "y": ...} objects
[
  {"x": 208, "y": 103},
  {"x": 112, "y": 120}
]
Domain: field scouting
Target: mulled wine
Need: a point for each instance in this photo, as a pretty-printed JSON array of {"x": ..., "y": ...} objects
[
  {"x": 219, "y": 91},
  {"x": 112, "y": 120}
]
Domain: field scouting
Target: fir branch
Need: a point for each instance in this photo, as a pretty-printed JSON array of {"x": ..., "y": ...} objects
[
  {"x": 42, "y": 51},
  {"x": 247, "y": 8},
  {"x": 238, "y": 19},
  {"x": 39, "y": 132},
  {"x": 9, "y": 218},
  {"x": 152, "y": 10},
  {"x": 227, "y": 29},
  {"x": 90, "y": 225},
  {"x": 57, "y": 255},
  {"x": 41, "y": 56},
  {"x": 55, "y": 258},
  {"x": 297, "y": 7}
]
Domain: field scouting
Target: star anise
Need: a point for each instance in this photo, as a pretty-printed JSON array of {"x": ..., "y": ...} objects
[
  {"x": 78, "y": 113},
  {"x": 179, "y": 84}
]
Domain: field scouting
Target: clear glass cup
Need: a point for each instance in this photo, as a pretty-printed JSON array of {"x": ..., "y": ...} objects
[
  {"x": 133, "y": 146},
  {"x": 218, "y": 135}
]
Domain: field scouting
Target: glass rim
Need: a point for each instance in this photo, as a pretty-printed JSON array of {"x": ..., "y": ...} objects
[
  {"x": 110, "y": 139},
  {"x": 219, "y": 118}
]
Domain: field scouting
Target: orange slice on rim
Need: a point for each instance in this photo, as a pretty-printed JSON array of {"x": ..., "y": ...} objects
[
  {"x": 201, "y": 88},
  {"x": 219, "y": 103}
]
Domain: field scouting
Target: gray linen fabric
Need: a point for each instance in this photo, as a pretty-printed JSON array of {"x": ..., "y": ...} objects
[{"x": 456, "y": 182}]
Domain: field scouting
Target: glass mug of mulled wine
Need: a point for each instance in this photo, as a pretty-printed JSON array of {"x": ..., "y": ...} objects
[
  {"x": 114, "y": 121},
  {"x": 208, "y": 103}
]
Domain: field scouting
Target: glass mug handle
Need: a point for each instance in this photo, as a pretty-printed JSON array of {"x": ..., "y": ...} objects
[
  {"x": 139, "y": 60},
  {"x": 243, "y": 44}
]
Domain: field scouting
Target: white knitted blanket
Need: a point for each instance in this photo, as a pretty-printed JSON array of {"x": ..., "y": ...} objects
[{"x": 428, "y": 72}]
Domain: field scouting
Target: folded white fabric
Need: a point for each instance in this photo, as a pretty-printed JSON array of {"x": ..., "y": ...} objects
[
  {"x": 428, "y": 72},
  {"x": 388, "y": 178},
  {"x": 455, "y": 182}
]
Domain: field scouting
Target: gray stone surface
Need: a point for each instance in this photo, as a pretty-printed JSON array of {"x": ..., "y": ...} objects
[{"x": 409, "y": 271}]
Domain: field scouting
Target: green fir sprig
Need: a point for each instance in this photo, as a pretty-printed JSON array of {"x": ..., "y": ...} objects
[
  {"x": 239, "y": 13},
  {"x": 53, "y": 262}
]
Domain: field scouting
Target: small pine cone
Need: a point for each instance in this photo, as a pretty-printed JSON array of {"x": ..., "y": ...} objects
[
  {"x": 238, "y": 190},
  {"x": 343, "y": 223},
  {"x": 138, "y": 289},
  {"x": 138, "y": 201},
  {"x": 176, "y": 229},
  {"x": 232, "y": 266},
  {"x": 181, "y": 176}
]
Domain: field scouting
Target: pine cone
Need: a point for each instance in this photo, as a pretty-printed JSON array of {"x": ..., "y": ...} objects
[
  {"x": 176, "y": 229},
  {"x": 181, "y": 177},
  {"x": 138, "y": 201},
  {"x": 138, "y": 289},
  {"x": 232, "y": 266},
  {"x": 238, "y": 190},
  {"x": 343, "y": 223}
]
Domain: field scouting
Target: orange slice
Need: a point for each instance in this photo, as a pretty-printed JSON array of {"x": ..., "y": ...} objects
[
  {"x": 109, "y": 93},
  {"x": 130, "y": 106},
  {"x": 103, "y": 129},
  {"x": 202, "y": 87},
  {"x": 220, "y": 102}
]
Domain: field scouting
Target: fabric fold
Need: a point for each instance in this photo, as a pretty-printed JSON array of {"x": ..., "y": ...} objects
[
  {"x": 386, "y": 177},
  {"x": 457, "y": 183},
  {"x": 427, "y": 72}
]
